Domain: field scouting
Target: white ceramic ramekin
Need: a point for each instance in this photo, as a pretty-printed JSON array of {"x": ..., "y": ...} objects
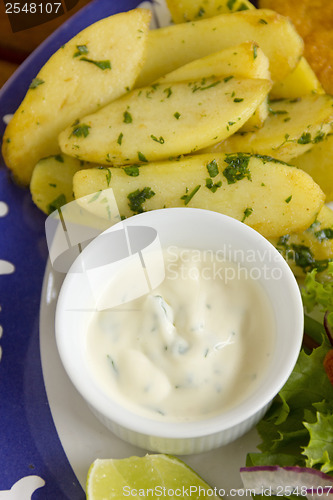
[{"x": 187, "y": 228}]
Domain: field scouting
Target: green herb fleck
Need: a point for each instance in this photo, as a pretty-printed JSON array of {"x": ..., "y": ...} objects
[
  {"x": 263, "y": 21},
  {"x": 247, "y": 213},
  {"x": 142, "y": 157},
  {"x": 113, "y": 364},
  {"x": 242, "y": 6},
  {"x": 255, "y": 51},
  {"x": 176, "y": 115},
  {"x": 160, "y": 140},
  {"x": 227, "y": 78},
  {"x": 120, "y": 138},
  {"x": 132, "y": 171},
  {"x": 138, "y": 197},
  {"x": 238, "y": 99},
  {"x": 35, "y": 83},
  {"x": 213, "y": 186},
  {"x": 320, "y": 136},
  {"x": 127, "y": 117},
  {"x": 188, "y": 196},
  {"x": 324, "y": 234},
  {"x": 212, "y": 168},
  {"x": 80, "y": 130},
  {"x": 81, "y": 49},
  {"x": 231, "y": 4},
  {"x": 168, "y": 92},
  {"x": 287, "y": 200},
  {"x": 201, "y": 12},
  {"x": 56, "y": 204},
  {"x": 100, "y": 64},
  {"x": 59, "y": 158},
  {"x": 237, "y": 168},
  {"x": 52, "y": 185},
  {"x": 305, "y": 138}
]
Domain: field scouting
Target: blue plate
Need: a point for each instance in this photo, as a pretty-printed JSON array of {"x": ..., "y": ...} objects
[{"x": 32, "y": 457}]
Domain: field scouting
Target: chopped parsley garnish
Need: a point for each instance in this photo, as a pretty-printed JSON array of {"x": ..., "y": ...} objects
[
  {"x": 319, "y": 137},
  {"x": 212, "y": 168},
  {"x": 35, "y": 83},
  {"x": 305, "y": 138},
  {"x": 255, "y": 51},
  {"x": 57, "y": 203},
  {"x": 263, "y": 21},
  {"x": 59, "y": 158},
  {"x": 324, "y": 234},
  {"x": 120, "y": 138},
  {"x": 238, "y": 99},
  {"x": 142, "y": 157},
  {"x": 301, "y": 255},
  {"x": 81, "y": 49},
  {"x": 277, "y": 112},
  {"x": 80, "y": 130},
  {"x": 168, "y": 92},
  {"x": 52, "y": 185},
  {"x": 213, "y": 186},
  {"x": 127, "y": 117},
  {"x": 227, "y": 78},
  {"x": 107, "y": 175},
  {"x": 237, "y": 168},
  {"x": 247, "y": 212},
  {"x": 138, "y": 197},
  {"x": 231, "y": 4},
  {"x": 176, "y": 115},
  {"x": 160, "y": 140},
  {"x": 188, "y": 196},
  {"x": 242, "y": 6},
  {"x": 201, "y": 12},
  {"x": 287, "y": 200},
  {"x": 132, "y": 171},
  {"x": 100, "y": 64}
]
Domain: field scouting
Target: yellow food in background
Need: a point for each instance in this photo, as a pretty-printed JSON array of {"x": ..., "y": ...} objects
[
  {"x": 162, "y": 121},
  {"x": 313, "y": 19},
  {"x": 92, "y": 69},
  {"x": 318, "y": 162},
  {"x": 271, "y": 197},
  {"x": 192, "y": 10},
  {"x": 302, "y": 81}
]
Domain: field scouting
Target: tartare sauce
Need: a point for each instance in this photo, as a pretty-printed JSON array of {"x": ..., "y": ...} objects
[{"x": 195, "y": 346}]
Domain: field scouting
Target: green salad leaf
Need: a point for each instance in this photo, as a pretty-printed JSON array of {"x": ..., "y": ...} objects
[{"x": 297, "y": 430}]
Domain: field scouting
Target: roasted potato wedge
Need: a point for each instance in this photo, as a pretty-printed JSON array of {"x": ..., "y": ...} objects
[
  {"x": 301, "y": 81},
  {"x": 311, "y": 249},
  {"x": 318, "y": 162},
  {"x": 192, "y": 10},
  {"x": 173, "y": 46},
  {"x": 292, "y": 128},
  {"x": 93, "y": 68},
  {"x": 269, "y": 196},
  {"x": 162, "y": 121},
  {"x": 51, "y": 183},
  {"x": 246, "y": 60}
]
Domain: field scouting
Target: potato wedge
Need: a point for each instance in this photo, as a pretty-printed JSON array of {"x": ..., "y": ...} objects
[
  {"x": 93, "y": 68},
  {"x": 51, "y": 183},
  {"x": 271, "y": 197},
  {"x": 163, "y": 121},
  {"x": 291, "y": 129},
  {"x": 311, "y": 249},
  {"x": 302, "y": 81},
  {"x": 246, "y": 60},
  {"x": 318, "y": 162},
  {"x": 192, "y": 10},
  {"x": 173, "y": 46}
]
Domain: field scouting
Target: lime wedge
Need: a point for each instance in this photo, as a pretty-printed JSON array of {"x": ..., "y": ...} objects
[{"x": 152, "y": 476}]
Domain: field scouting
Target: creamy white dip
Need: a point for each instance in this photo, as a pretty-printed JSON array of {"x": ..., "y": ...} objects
[{"x": 195, "y": 346}]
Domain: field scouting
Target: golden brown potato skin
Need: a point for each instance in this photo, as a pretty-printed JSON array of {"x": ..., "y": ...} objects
[{"x": 313, "y": 20}]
